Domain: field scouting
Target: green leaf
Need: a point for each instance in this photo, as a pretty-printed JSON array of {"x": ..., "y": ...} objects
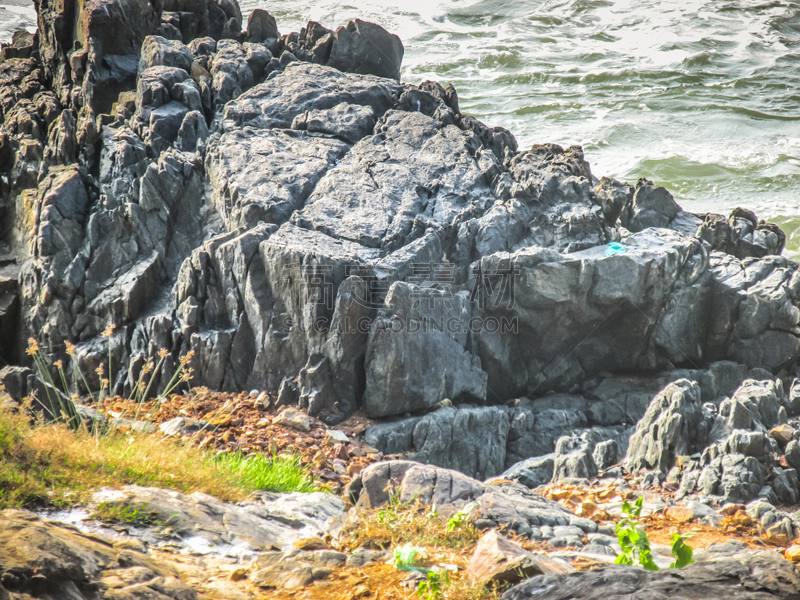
[
  {"x": 683, "y": 553},
  {"x": 638, "y": 506},
  {"x": 646, "y": 560},
  {"x": 623, "y": 559}
]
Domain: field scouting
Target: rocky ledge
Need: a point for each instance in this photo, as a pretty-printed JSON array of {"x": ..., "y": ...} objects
[{"x": 180, "y": 546}]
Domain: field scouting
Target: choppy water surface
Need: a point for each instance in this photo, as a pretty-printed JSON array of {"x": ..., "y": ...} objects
[{"x": 700, "y": 96}]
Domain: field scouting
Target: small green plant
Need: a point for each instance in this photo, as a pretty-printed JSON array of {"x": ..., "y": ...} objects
[
  {"x": 462, "y": 517},
  {"x": 431, "y": 588},
  {"x": 636, "y": 545},
  {"x": 270, "y": 474},
  {"x": 404, "y": 558},
  {"x": 58, "y": 407},
  {"x": 633, "y": 539}
]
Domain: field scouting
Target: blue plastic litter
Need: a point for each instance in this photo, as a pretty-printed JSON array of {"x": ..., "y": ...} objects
[{"x": 615, "y": 248}]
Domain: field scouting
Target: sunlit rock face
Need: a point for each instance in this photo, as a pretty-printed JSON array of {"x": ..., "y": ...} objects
[{"x": 287, "y": 209}]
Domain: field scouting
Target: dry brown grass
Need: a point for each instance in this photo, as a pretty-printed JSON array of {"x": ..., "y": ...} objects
[
  {"x": 49, "y": 464},
  {"x": 397, "y": 524}
]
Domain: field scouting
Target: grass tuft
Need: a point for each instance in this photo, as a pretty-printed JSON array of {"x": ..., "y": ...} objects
[
  {"x": 421, "y": 538},
  {"x": 399, "y": 523},
  {"x": 48, "y": 464},
  {"x": 109, "y": 512},
  {"x": 275, "y": 474}
]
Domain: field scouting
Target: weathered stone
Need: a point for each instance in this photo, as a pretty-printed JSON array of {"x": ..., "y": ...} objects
[
  {"x": 364, "y": 47},
  {"x": 499, "y": 560},
  {"x": 261, "y": 26},
  {"x": 157, "y": 51},
  {"x": 294, "y": 418},
  {"x": 405, "y": 343},
  {"x": 745, "y": 576},
  {"x": 666, "y": 430},
  {"x": 532, "y": 472},
  {"x": 36, "y": 555}
]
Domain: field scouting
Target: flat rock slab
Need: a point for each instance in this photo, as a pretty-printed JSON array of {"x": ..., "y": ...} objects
[
  {"x": 36, "y": 555},
  {"x": 275, "y": 522},
  {"x": 265, "y": 175},
  {"x": 500, "y": 504},
  {"x": 305, "y": 87},
  {"x": 745, "y": 576},
  {"x": 501, "y": 560}
]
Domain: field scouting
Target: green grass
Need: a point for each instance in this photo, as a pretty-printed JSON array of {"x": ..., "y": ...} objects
[
  {"x": 108, "y": 512},
  {"x": 52, "y": 465},
  {"x": 275, "y": 474}
]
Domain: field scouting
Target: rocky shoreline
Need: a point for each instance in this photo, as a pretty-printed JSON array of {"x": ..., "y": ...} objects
[{"x": 417, "y": 304}]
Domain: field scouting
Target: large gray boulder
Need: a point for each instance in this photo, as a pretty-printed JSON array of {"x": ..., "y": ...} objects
[
  {"x": 409, "y": 341},
  {"x": 532, "y": 472},
  {"x": 303, "y": 87},
  {"x": 364, "y": 47},
  {"x": 668, "y": 429},
  {"x": 470, "y": 440},
  {"x": 157, "y": 51}
]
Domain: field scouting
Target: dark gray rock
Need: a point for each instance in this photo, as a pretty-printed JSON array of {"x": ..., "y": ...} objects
[
  {"x": 534, "y": 432},
  {"x": 261, "y": 26},
  {"x": 157, "y": 51},
  {"x": 288, "y": 393},
  {"x": 574, "y": 458},
  {"x": 469, "y": 440},
  {"x": 532, "y": 472},
  {"x": 786, "y": 486},
  {"x": 304, "y": 87},
  {"x": 793, "y": 454},
  {"x": 346, "y": 121},
  {"x": 408, "y": 339},
  {"x": 366, "y": 48},
  {"x": 742, "y": 234},
  {"x": 750, "y": 575},
  {"x": 518, "y": 509},
  {"x": 192, "y": 133},
  {"x": 614, "y": 197},
  {"x": 606, "y": 454},
  {"x": 793, "y": 401},
  {"x": 231, "y": 74},
  {"x": 620, "y": 402},
  {"x": 763, "y": 399},
  {"x": 394, "y": 437},
  {"x": 438, "y": 487},
  {"x": 652, "y": 206},
  {"x": 259, "y": 175},
  {"x": 667, "y": 430}
]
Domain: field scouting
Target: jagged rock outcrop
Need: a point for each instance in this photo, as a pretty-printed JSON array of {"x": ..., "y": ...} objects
[
  {"x": 671, "y": 427},
  {"x": 286, "y": 208}
]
